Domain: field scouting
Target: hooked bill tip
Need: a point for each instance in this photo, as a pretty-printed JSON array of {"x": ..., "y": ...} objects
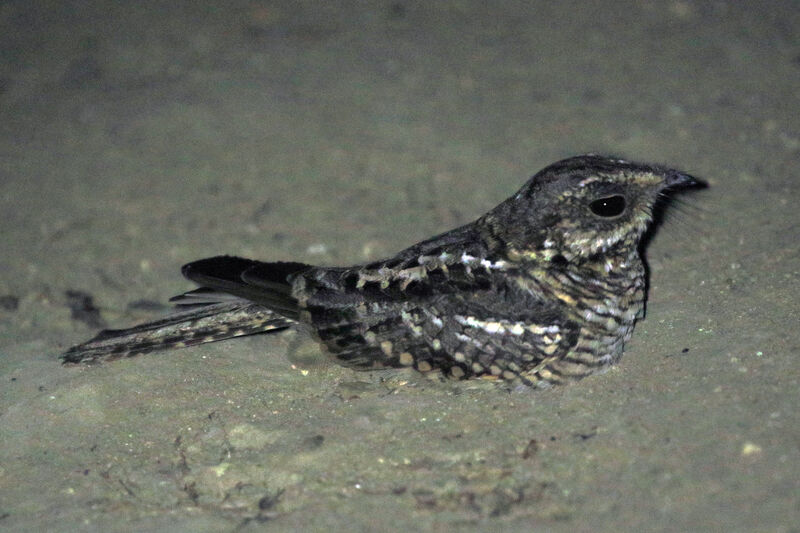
[{"x": 679, "y": 180}]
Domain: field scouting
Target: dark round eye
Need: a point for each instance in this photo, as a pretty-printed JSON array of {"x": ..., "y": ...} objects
[{"x": 610, "y": 206}]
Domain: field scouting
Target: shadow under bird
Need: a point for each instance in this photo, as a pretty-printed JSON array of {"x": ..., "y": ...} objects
[{"x": 544, "y": 288}]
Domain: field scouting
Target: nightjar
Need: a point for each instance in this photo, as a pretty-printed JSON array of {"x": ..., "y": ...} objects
[{"x": 542, "y": 289}]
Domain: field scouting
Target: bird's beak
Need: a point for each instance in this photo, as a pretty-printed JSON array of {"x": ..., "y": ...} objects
[{"x": 679, "y": 180}]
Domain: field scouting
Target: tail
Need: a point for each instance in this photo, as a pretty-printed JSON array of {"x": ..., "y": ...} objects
[
  {"x": 209, "y": 323},
  {"x": 237, "y": 297}
]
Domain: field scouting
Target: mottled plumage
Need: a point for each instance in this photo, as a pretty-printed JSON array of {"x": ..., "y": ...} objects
[{"x": 544, "y": 288}]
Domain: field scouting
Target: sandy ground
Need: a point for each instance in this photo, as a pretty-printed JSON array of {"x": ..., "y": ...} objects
[{"x": 137, "y": 136}]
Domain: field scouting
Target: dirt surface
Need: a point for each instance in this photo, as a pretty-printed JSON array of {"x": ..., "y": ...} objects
[{"x": 137, "y": 136}]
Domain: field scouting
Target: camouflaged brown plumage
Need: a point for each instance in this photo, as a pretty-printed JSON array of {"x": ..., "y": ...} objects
[{"x": 543, "y": 288}]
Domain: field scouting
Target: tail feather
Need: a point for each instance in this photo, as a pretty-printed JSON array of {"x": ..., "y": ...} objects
[
  {"x": 202, "y": 296},
  {"x": 208, "y": 323},
  {"x": 237, "y": 297},
  {"x": 264, "y": 283}
]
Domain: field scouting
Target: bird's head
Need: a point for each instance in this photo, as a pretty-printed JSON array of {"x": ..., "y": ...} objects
[{"x": 582, "y": 207}]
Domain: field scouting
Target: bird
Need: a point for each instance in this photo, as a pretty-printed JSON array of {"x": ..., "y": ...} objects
[{"x": 543, "y": 289}]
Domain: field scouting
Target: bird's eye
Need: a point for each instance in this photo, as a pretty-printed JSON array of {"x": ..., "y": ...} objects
[{"x": 608, "y": 207}]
